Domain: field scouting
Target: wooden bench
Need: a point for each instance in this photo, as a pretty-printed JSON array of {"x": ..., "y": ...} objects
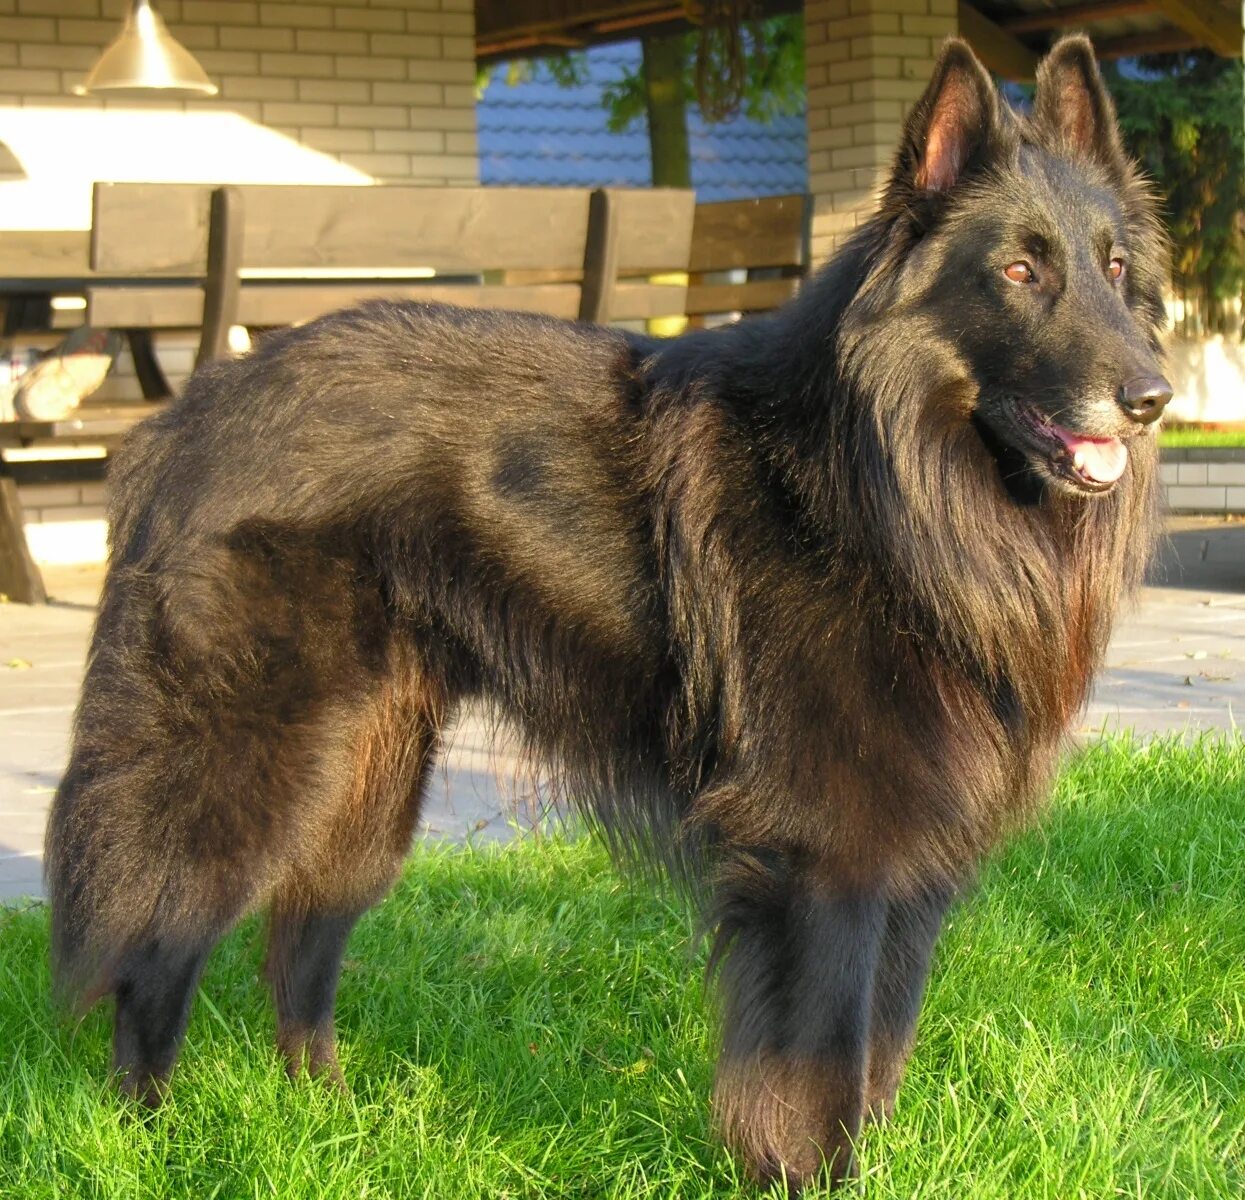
[
  {"x": 264, "y": 256},
  {"x": 194, "y": 257},
  {"x": 766, "y": 238}
]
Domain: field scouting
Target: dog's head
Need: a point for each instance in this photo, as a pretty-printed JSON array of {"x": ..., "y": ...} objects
[{"x": 1034, "y": 256}]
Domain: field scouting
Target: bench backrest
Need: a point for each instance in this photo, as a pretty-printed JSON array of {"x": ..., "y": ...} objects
[
  {"x": 191, "y": 255},
  {"x": 767, "y": 237}
]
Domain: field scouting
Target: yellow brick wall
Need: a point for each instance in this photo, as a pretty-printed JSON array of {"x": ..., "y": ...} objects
[
  {"x": 868, "y": 61},
  {"x": 386, "y": 86}
]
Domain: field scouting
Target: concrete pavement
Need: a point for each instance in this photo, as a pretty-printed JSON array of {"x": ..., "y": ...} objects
[
  {"x": 1176, "y": 664},
  {"x": 1177, "y": 661}
]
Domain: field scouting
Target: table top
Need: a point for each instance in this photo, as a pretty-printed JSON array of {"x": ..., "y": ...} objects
[
  {"x": 93, "y": 422},
  {"x": 44, "y": 257}
]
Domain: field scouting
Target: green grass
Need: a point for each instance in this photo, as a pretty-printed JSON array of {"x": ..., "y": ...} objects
[
  {"x": 1191, "y": 435},
  {"x": 522, "y": 1024}
]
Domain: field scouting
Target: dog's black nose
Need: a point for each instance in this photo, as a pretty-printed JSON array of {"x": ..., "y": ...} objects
[{"x": 1144, "y": 397}]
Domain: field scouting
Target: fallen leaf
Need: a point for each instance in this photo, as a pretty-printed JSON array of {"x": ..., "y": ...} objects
[
  {"x": 18, "y": 664},
  {"x": 1196, "y": 654}
]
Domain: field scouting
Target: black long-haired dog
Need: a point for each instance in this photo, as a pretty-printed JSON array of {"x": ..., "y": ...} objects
[{"x": 799, "y": 608}]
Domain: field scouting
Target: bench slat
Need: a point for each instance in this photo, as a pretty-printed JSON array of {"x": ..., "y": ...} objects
[
  {"x": 262, "y": 305},
  {"x": 654, "y": 228},
  {"x": 163, "y": 228},
  {"x": 754, "y": 296},
  {"x": 766, "y": 232},
  {"x": 640, "y": 301}
]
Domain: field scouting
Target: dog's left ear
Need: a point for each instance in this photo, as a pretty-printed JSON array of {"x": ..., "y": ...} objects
[{"x": 1073, "y": 103}]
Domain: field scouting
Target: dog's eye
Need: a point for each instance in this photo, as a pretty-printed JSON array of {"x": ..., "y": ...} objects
[
  {"x": 1019, "y": 272},
  {"x": 1115, "y": 269}
]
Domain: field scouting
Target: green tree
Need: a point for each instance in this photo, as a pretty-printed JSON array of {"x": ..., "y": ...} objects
[{"x": 1182, "y": 117}]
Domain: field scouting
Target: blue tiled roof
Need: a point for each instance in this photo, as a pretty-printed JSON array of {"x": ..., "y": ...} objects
[{"x": 536, "y": 132}]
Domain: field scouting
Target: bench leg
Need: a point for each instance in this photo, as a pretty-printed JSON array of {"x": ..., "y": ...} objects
[
  {"x": 20, "y": 579},
  {"x": 151, "y": 377}
]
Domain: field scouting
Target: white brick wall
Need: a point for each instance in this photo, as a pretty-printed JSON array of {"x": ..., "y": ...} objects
[
  {"x": 1185, "y": 498},
  {"x": 387, "y": 87},
  {"x": 1214, "y": 485},
  {"x": 868, "y": 62}
]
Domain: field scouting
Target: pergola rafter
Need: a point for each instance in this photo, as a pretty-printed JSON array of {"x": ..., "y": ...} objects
[{"x": 1007, "y": 35}]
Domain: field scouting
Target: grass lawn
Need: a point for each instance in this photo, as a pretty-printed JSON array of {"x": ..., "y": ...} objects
[
  {"x": 1193, "y": 436},
  {"x": 522, "y": 1024}
]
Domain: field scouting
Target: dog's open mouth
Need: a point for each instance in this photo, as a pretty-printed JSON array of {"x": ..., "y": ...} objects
[{"x": 1092, "y": 464}]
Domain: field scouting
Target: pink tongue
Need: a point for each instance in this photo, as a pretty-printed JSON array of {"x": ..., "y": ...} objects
[{"x": 1101, "y": 459}]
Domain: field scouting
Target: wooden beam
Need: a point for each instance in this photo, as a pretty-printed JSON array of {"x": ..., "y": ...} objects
[
  {"x": 1076, "y": 14},
  {"x": 621, "y": 24},
  {"x": 1001, "y": 52},
  {"x": 1212, "y": 24},
  {"x": 1157, "y": 41},
  {"x": 527, "y": 41},
  {"x": 503, "y": 19},
  {"x": 512, "y": 28}
]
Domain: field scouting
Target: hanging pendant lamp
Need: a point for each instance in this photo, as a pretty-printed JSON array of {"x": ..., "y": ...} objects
[{"x": 145, "y": 60}]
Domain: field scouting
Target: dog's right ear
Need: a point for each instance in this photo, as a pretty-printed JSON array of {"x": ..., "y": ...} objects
[{"x": 950, "y": 126}]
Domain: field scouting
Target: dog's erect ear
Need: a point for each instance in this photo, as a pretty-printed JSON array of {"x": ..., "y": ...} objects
[
  {"x": 1073, "y": 103},
  {"x": 950, "y": 125}
]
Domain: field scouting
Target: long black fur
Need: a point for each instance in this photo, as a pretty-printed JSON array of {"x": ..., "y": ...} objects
[{"x": 799, "y": 608}]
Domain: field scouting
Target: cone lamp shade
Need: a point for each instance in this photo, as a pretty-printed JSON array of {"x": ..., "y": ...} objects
[{"x": 145, "y": 61}]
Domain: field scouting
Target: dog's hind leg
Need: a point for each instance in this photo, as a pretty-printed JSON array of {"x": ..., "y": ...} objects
[
  {"x": 800, "y": 957},
  {"x": 155, "y": 985},
  {"x": 912, "y": 927},
  {"x": 352, "y": 861},
  {"x": 305, "y": 949}
]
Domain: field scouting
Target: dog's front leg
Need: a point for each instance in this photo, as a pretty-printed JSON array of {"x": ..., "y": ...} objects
[
  {"x": 913, "y": 923},
  {"x": 800, "y": 957}
]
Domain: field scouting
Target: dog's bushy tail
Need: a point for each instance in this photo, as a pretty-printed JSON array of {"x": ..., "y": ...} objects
[
  {"x": 106, "y": 858},
  {"x": 107, "y": 853},
  {"x": 91, "y": 924}
]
